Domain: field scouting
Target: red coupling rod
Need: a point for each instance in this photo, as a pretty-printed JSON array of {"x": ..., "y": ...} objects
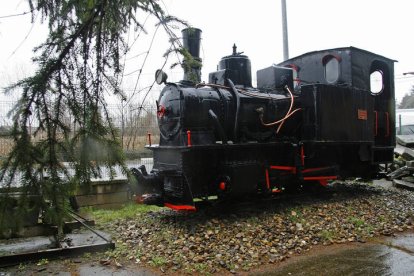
[
  {"x": 149, "y": 139},
  {"x": 267, "y": 179},
  {"x": 188, "y": 138}
]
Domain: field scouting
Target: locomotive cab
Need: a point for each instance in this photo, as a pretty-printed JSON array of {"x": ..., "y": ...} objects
[{"x": 364, "y": 114}]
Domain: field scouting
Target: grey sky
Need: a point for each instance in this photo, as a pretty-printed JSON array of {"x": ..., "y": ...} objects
[{"x": 382, "y": 27}]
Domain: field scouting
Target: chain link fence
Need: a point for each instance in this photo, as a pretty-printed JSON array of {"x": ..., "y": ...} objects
[{"x": 133, "y": 123}]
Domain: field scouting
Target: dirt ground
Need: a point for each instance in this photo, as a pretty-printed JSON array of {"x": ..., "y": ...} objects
[
  {"x": 313, "y": 262},
  {"x": 345, "y": 230}
]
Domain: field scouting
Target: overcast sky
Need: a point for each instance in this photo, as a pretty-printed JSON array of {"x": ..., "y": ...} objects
[{"x": 382, "y": 27}]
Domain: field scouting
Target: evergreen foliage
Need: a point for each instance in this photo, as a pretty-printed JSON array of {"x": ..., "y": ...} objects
[{"x": 77, "y": 65}]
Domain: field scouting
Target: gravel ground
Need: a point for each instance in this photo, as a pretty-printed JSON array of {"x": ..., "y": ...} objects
[{"x": 242, "y": 237}]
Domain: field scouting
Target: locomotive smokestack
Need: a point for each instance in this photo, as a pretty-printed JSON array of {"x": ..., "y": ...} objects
[{"x": 192, "y": 67}]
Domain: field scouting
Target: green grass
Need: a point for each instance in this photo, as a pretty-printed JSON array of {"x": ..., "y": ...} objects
[
  {"x": 120, "y": 251},
  {"x": 362, "y": 227},
  {"x": 369, "y": 229},
  {"x": 43, "y": 262},
  {"x": 295, "y": 216},
  {"x": 357, "y": 222},
  {"x": 158, "y": 261},
  {"x": 201, "y": 268},
  {"x": 102, "y": 216},
  {"x": 327, "y": 235},
  {"x": 21, "y": 267}
]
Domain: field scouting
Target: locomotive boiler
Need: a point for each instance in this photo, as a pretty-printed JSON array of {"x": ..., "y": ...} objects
[{"x": 311, "y": 119}]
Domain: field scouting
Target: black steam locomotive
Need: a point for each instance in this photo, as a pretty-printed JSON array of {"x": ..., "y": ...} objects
[{"x": 313, "y": 118}]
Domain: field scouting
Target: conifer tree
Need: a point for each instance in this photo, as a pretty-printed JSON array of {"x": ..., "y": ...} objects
[{"x": 77, "y": 65}]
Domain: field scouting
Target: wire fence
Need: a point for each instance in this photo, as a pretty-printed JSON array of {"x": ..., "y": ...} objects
[{"x": 133, "y": 122}]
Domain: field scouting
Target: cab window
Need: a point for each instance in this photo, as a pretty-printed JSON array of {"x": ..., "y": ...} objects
[
  {"x": 376, "y": 82},
  {"x": 331, "y": 67}
]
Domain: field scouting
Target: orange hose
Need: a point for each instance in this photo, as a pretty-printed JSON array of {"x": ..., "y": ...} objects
[
  {"x": 292, "y": 99},
  {"x": 281, "y": 121},
  {"x": 281, "y": 124}
]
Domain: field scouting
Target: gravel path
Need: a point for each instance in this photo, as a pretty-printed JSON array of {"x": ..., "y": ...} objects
[{"x": 242, "y": 237}]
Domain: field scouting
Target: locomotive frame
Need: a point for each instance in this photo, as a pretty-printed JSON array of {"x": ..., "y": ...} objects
[{"x": 313, "y": 118}]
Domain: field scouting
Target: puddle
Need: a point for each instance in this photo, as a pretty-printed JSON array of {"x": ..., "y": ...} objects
[
  {"x": 391, "y": 256},
  {"x": 104, "y": 271}
]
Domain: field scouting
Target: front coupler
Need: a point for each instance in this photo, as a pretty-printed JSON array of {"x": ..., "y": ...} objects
[{"x": 148, "y": 186}]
